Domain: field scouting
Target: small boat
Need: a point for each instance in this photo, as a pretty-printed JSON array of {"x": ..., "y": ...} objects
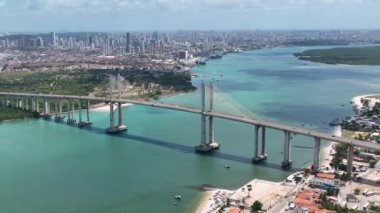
[
  {"x": 227, "y": 166},
  {"x": 177, "y": 197},
  {"x": 335, "y": 122}
]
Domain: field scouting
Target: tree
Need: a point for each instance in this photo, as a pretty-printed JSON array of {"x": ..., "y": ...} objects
[
  {"x": 372, "y": 163},
  {"x": 356, "y": 191},
  {"x": 256, "y": 206}
]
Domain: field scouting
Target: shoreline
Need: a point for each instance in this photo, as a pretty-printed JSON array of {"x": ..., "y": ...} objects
[
  {"x": 358, "y": 104},
  {"x": 212, "y": 200}
]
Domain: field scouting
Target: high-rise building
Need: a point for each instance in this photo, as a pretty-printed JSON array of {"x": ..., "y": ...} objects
[
  {"x": 128, "y": 42},
  {"x": 142, "y": 48},
  {"x": 53, "y": 39}
]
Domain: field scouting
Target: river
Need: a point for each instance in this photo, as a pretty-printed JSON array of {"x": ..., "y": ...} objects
[{"x": 51, "y": 167}]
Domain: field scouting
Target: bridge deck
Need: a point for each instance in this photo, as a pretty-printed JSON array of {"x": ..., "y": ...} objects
[{"x": 269, "y": 124}]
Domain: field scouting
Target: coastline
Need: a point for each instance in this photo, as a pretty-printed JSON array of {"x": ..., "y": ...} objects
[
  {"x": 211, "y": 200},
  {"x": 358, "y": 104},
  {"x": 103, "y": 107}
]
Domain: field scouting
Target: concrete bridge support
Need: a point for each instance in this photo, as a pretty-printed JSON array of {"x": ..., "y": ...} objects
[
  {"x": 211, "y": 144},
  {"x": 37, "y": 105},
  {"x": 17, "y": 103},
  {"x": 46, "y": 114},
  {"x": 263, "y": 142},
  {"x": 120, "y": 127},
  {"x": 26, "y": 103},
  {"x": 58, "y": 110},
  {"x": 70, "y": 112},
  {"x": 81, "y": 123},
  {"x": 286, "y": 163},
  {"x": 317, "y": 150},
  {"x": 258, "y": 157},
  {"x": 89, "y": 123},
  {"x": 12, "y": 102},
  {"x": 33, "y": 104},
  {"x": 350, "y": 159}
]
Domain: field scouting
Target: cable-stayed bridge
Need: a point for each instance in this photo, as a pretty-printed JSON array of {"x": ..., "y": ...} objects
[{"x": 31, "y": 102}]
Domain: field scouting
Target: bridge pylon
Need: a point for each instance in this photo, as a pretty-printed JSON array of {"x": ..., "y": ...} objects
[
  {"x": 287, "y": 163},
  {"x": 70, "y": 112},
  {"x": 58, "y": 111},
  {"x": 262, "y": 156},
  {"x": 210, "y": 145},
  {"x": 120, "y": 127},
  {"x": 46, "y": 115}
]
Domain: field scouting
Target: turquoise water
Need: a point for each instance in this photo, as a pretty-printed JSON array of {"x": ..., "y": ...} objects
[{"x": 51, "y": 167}]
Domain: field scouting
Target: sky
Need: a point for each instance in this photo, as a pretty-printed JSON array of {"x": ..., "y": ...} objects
[{"x": 142, "y": 15}]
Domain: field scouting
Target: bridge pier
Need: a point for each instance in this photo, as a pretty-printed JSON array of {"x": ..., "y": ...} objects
[
  {"x": 317, "y": 150},
  {"x": 211, "y": 144},
  {"x": 88, "y": 122},
  {"x": 26, "y": 101},
  {"x": 286, "y": 163},
  {"x": 33, "y": 105},
  {"x": 17, "y": 103},
  {"x": 263, "y": 141},
  {"x": 81, "y": 122},
  {"x": 120, "y": 127},
  {"x": 46, "y": 114},
  {"x": 350, "y": 159},
  {"x": 259, "y": 157},
  {"x": 58, "y": 110},
  {"x": 70, "y": 112},
  {"x": 37, "y": 105}
]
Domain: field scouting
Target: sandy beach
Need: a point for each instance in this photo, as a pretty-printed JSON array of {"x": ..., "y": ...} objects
[
  {"x": 213, "y": 200},
  {"x": 106, "y": 107},
  {"x": 356, "y": 100}
]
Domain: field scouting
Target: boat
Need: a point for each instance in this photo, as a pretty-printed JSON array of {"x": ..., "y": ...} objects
[
  {"x": 216, "y": 56},
  {"x": 201, "y": 62},
  {"x": 177, "y": 197},
  {"x": 335, "y": 122}
]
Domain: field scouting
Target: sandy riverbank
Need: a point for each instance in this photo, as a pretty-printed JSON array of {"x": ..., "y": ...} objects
[
  {"x": 356, "y": 100},
  {"x": 212, "y": 200},
  {"x": 106, "y": 107}
]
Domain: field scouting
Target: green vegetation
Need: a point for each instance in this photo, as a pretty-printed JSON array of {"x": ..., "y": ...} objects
[
  {"x": 7, "y": 113},
  {"x": 340, "y": 154},
  {"x": 82, "y": 82},
  {"x": 372, "y": 163},
  {"x": 319, "y": 42},
  {"x": 63, "y": 82},
  {"x": 333, "y": 207},
  {"x": 356, "y": 191},
  {"x": 352, "y": 56},
  {"x": 256, "y": 206}
]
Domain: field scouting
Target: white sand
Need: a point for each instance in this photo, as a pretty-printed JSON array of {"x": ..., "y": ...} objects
[
  {"x": 213, "y": 200},
  {"x": 267, "y": 192},
  {"x": 106, "y": 107},
  {"x": 358, "y": 103}
]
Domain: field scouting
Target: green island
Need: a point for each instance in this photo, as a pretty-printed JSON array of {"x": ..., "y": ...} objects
[
  {"x": 138, "y": 84},
  {"x": 369, "y": 55}
]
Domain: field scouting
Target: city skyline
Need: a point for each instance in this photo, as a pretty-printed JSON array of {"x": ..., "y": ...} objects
[{"x": 145, "y": 15}]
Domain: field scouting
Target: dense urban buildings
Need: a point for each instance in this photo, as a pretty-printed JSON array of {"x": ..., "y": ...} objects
[{"x": 173, "y": 50}]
